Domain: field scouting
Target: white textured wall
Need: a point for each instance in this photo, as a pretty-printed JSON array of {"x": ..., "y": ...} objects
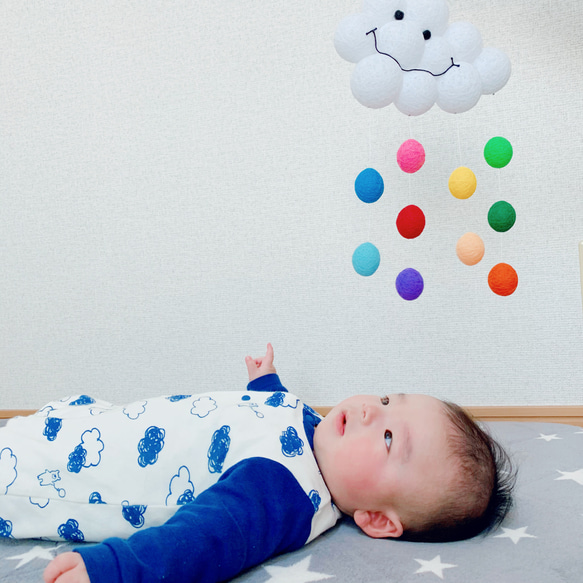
[{"x": 176, "y": 189}]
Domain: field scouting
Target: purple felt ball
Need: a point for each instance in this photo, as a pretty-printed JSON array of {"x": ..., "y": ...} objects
[{"x": 409, "y": 284}]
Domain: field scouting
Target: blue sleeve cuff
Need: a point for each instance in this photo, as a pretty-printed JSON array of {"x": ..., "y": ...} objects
[{"x": 268, "y": 382}]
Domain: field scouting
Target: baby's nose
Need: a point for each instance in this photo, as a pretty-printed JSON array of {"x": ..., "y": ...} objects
[{"x": 368, "y": 413}]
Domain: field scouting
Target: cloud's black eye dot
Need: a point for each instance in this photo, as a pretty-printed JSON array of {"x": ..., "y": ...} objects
[
  {"x": 399, "y": 15},
  {"x": 426, "y": 34}
]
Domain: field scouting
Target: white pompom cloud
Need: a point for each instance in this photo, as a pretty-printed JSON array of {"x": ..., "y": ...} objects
[{"x": 406, "y": 53}]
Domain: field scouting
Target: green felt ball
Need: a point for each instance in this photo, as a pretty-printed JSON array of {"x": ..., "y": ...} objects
[
  {"x": 498, "y": 152},
  {"x": 501, "y": 216}
]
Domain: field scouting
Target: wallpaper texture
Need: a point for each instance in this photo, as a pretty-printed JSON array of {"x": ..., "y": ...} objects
[{"x": 177, "y": 190}]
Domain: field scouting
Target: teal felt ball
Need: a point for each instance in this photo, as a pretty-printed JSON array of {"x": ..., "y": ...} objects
[
  {"x": 366, "y": 259},
  {"x": 369, "y": 185}
]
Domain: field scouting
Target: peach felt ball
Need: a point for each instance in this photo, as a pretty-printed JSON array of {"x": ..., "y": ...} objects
[{"x": 470, "y": 249}]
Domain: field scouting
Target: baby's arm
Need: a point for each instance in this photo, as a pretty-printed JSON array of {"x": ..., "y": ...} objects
[
  {"x": 66, "y": 568},
  {"x": 259, "y": 367}
]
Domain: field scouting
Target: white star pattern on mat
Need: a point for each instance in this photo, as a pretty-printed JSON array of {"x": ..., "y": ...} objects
[
  {"x": 515, "y": 534},
  {"x": 549, "y": 437},
  {"x": 575, "y": 476},
  {"x": 434, "y": 566},
  {"x": 297, "y": 573},
  {"x": 36, "y": 552}
]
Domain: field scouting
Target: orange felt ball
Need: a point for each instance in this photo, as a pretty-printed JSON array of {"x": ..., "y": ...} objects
[
  {"x": 503, "y": 279},
  {"x": 470, "y": 249}
]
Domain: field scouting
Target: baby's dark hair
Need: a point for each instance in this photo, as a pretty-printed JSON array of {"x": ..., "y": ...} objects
[{"x": 481, "y": 494}]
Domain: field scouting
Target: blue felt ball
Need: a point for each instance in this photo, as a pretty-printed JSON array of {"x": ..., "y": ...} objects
[
  {"x": 366, "y": 259},
  {"x": 369, "y": 185}
]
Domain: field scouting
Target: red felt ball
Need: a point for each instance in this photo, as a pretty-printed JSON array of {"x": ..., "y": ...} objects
[{"x": 411, "y": 222}]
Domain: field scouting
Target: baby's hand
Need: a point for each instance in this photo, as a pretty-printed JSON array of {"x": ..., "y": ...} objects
[
  {"x": 66, "y": 568},
  {"x": 258, "y": 367}
]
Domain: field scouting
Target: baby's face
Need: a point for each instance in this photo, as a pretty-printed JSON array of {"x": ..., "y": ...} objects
[{"x": 380, "y": 453}]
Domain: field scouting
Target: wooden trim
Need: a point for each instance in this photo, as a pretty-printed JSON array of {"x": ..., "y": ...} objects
[
  {"x": 571, "y": 415},
  {"x": 8, "y": 413}
]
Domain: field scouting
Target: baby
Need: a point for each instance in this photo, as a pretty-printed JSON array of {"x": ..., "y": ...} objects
[{"x": 275, "y": 476}]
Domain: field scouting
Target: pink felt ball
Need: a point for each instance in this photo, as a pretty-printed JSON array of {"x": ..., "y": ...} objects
[{"x": 410, "y": 156}]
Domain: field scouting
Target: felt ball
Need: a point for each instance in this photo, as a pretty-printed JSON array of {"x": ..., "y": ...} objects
[
  {"x": 366, "y": 259},
  {"x": 403, "y": 41},
  {"x": 410, "y": 156},
  {"x": 494, "y": 68},
  {"x": 428, "y": 14},
  {"x": 376, "y": 81},
  {"x": 437, "y": 55},
  {"x": 498, "y": 152},
  {"x": 411, "y": 222},
  {"x": 470, "y": 249},
  {"x": 462, "y": 183},
  {"x": 418, "y": 93},
  {"x": 459, "y": 89},
  {"x": 369, "y": 185},
  {"x": 409, "y": 284},
  {"x": 350, "y": 39},
  {"x": 501, "y": 216},
  {"x": 465, "y": 40},
  {"x": 503, "y": 279}
]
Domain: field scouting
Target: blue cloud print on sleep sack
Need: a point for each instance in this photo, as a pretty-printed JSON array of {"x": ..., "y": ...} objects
[
  {"x": 5, "y": 528},
  {"x": 52, "y": 427},
  {"x": 134, "y": 410},
  {"x": 218, "y": 449},
  {"x": 150, "y": 446},
  {"x": 203, "y": 406},
  {"x": 71, "y": 531},
  {"x": 82, "y": 400},
  {"x": 180, "y": 489},
  {"x": 291, "y": 444},
  {"x": 8, "y": 472},
  {"x": 133, "y": 513},
  {"x": 95, "y": 498},
  {"x": 176, "y": 398},
  {"x": 280, "y": 399},
  {"x": 315, "y": 499},
  {"x": 88, "y": 452}
]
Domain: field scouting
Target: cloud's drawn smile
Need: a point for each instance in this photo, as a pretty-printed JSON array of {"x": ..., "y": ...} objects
[{"x": 373, "y": 32}]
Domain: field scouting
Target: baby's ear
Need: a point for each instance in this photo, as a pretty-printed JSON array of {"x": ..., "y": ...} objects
[{"x": 378, "y": 524}]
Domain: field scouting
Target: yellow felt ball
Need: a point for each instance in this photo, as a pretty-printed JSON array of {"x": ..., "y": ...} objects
[
  {"x": 470, "y": 249},
  {"x": 462, "y": 182}
]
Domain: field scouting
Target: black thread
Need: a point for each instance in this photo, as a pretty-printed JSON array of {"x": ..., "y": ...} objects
[{"x": 408, "y": 70}]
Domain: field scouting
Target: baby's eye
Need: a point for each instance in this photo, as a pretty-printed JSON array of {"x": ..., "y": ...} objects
[
  {"x": 385, "y": 400},
  {"x": 388, "y": 438}
]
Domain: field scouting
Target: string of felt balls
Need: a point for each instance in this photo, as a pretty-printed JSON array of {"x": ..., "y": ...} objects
[{"x": 369, "y": 187}]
